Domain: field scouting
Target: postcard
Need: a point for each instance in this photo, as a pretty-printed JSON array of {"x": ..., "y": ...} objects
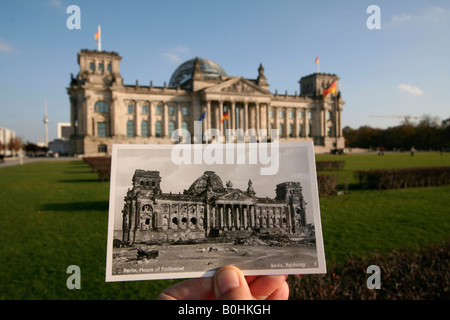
[{"x": 185, "y": 210}]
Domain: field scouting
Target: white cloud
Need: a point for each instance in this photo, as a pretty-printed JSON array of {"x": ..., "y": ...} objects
[
  {"x": 5, "y": 47},
  {"x": 436, "y": 14},
  {"x": 400, "y": 19},
  {"x": 410, "y": 89},
  {"x": 431, "y": 14},
  {"x": 172, "y": 56},
  {"x": 176, "y": 54},
  {"x": 55, "y": 3}
]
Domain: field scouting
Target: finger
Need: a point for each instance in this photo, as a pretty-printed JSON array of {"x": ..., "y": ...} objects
[
  {"x": 192, "y": 289},
  {"x": 230, "y": 284},
  {"x": 282, "y": 293},
  {"x": 264, "y": 286}
]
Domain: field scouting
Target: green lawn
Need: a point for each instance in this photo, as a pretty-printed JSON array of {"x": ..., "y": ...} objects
[{"x": 54, "y": 215}]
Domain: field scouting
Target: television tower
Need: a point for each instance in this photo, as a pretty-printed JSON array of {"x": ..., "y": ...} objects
[{"x": 46, "y": 124}]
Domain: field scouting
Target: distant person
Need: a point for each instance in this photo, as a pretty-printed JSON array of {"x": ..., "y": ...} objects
[
  {"x": 412, "y": 150},
  {"x": 229, "y": 283}
]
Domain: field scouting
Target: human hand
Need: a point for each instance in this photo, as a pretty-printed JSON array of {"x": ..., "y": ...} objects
[{"x": 229, "y": 283}]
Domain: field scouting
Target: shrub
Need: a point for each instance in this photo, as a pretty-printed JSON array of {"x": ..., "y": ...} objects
[
  {"x": 327, "y": 184},
  {"x": 403, "y": 178},
  {"x": 101, "y": 165},
  {"x": 405, "y": 274},
  {"x": 329, "y": 165}
]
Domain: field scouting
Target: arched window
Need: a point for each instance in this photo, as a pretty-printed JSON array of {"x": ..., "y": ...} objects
[
  {"x": 144, "y": 129},
  {"x": 130, "y": 129},
  {"x": 185, "y": 125},
  {"x": 291, "y": 130},
  {"x": 101, "y": 107},
  {"x": 171, "y": 127},
  {"x": 158, "y": 129}
]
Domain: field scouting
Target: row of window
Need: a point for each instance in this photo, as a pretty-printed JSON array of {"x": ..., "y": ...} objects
[
  {"x": 103, "y": 107},
  {"x": 290, "y": 132},
  {"x": 158, "y": 132},
  {"x": 159, "y": 110},
  {"x": 300, "y": 114},
  {"x": 101, "y": 129},
  {"x": 101, "y": 67}
]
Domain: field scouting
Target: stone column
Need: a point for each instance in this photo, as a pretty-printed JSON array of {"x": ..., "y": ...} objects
[
  {"x": 286, "y": 123},
  {"x": 220, "y": 116},
  {"x": 137, "y": 119},
  {"x": 208, "y": 114},
  {"x": 150, "y": 119},
  {"x": 87, "y": 126},
  {"x": 233, "y": 115},
  {"x": 179, "y": 115},
  {"x": 220, "y": 213},
  {"x": 257, "y": 110},
  {"x": 277, "y": 121},
  {"x": 230, "y": 221},
  {"x": 113, "y": 118},
  {"x": 165, "y": 120},
  {"x": 268, "y": 120},
  {"x": 241, "y": 122},
  {"x": 305, "y": 123},
  {"x": 245, "y": 116}
]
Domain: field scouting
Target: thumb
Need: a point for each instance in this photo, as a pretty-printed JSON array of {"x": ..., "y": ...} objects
[{"x": 230, "y": 284}]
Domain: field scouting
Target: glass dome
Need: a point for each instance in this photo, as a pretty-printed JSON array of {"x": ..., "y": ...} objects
[{"x": 185, "y": 71}]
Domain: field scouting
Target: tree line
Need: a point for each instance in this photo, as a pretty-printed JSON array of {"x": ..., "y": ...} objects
[
  {"x": 428, "y": 134},
  {"x": 15, "y": 144}
]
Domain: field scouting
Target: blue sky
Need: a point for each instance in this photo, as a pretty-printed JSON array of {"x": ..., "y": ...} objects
[{"x": 401, "y": 69}]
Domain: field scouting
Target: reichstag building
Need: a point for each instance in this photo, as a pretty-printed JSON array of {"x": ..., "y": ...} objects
[
  {"x": 105, "y": 111},
  {"x": 208, "y": 209}
]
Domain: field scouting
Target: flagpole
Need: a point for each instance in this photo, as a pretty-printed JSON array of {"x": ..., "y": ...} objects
[
  {"x": 318, "y": 64},
  {"x": 99, "y": 38}
]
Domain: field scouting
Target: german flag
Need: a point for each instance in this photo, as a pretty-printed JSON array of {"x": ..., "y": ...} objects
[
  {"x": 331, "y": 89},
  {"x": 226, "y": 116}
]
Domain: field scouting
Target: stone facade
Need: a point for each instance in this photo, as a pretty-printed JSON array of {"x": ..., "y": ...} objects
[
  {"x": 207, "y": 209},
  {"x": 104, "y": 111}
]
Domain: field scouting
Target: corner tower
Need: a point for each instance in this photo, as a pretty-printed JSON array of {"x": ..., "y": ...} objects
[{"x": 291, "y": 193}]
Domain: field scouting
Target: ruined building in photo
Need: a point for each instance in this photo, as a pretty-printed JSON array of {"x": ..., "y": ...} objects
[
  {"x": 105, "y": 111},
  {"x": 208, "y": 209}
]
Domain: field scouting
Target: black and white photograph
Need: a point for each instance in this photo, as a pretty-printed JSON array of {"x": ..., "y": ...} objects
[{"x": 181, "y": 219}]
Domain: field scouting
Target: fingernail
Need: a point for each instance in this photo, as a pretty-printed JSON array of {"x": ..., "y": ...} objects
[{"x": 227, "y": 280}]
